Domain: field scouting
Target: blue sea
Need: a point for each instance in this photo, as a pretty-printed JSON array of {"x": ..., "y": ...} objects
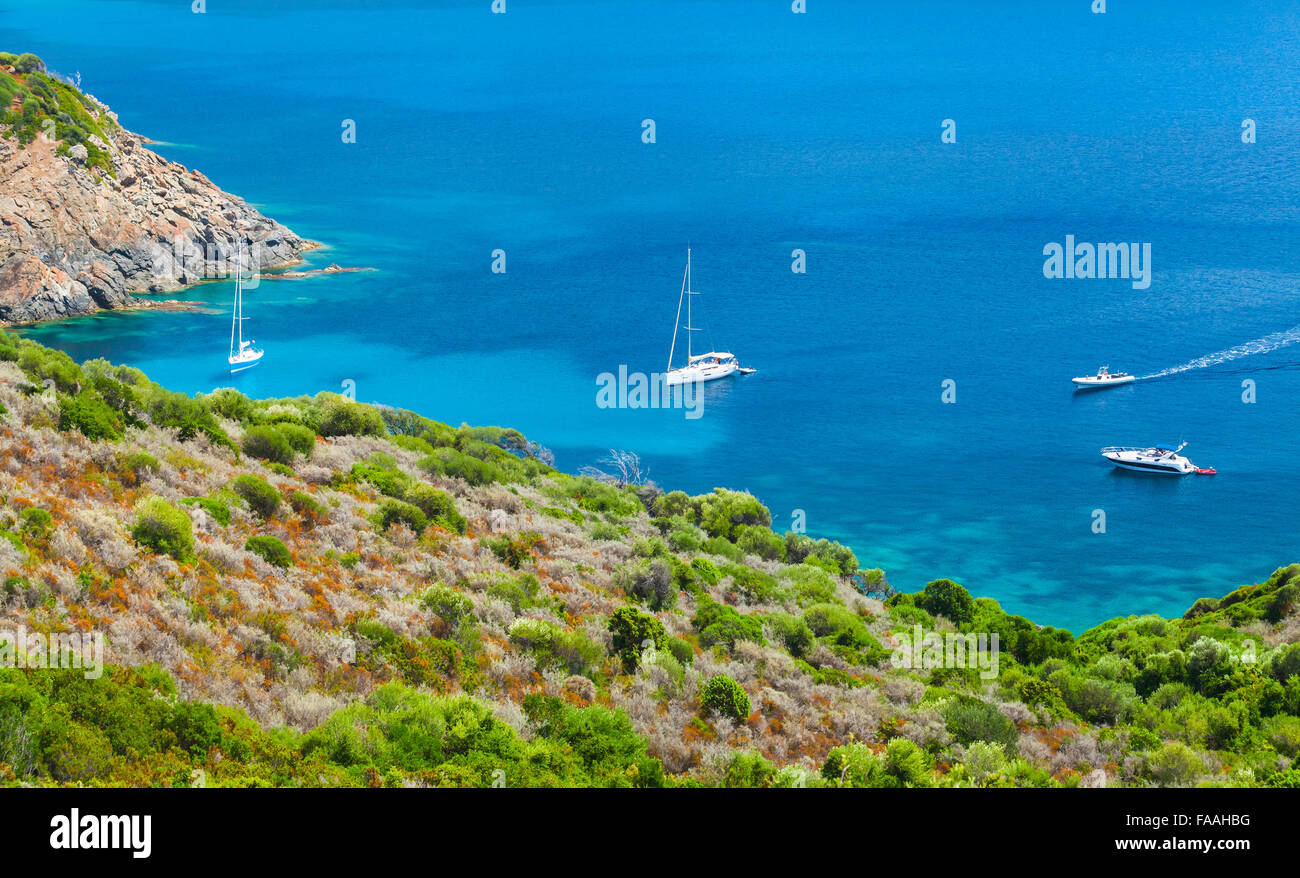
[{"x": 773, "y": 132}]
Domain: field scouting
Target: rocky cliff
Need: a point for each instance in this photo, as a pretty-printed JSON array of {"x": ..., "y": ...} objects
[{"x": 84, "y": 225}]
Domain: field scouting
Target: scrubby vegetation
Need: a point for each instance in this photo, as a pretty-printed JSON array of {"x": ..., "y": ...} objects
[
  {"x": 313, "y": 591},
  {"x": 33, "y": 104}
]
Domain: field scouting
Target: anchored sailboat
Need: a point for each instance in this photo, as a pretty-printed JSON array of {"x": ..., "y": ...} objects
[
  {"x": 699, "y": 367},
  {"x": 242, "y": 353}
]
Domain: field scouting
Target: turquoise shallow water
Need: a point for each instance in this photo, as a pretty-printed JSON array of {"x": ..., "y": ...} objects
[{"x": 774, "y": 131}]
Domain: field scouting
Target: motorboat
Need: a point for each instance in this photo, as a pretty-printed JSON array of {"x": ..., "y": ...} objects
[
  {"x": 699, "y": 367},
  {"x": 1104, "y": 378},
  {"x": 1163, "y": 459}
]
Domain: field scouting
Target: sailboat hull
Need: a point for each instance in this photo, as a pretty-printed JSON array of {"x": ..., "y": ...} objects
[
  {"x": 244, "y": 362},
  {"x": 693, "y": 374}
]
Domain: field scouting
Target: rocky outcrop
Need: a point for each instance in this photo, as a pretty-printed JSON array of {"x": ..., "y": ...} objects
[{"x": 74, "y": 240}]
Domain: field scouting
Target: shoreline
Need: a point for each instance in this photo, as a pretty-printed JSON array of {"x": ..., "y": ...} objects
[{"x": 143, "y": 301}]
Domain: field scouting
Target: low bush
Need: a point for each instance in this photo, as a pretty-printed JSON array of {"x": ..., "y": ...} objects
[
  {"x": 163, "y": 529},
  {"x": 391, "y": 511},
  {"x": 724, "y": 696},
  {"x": 262, "y": 498},
  {"x": 216, "y": 508},
  {"x": 267, "y": 443},
  {"x": 631, "y": 631},
  {"x": 437, "y": 507},
  {"x": 270, "y": 549}
]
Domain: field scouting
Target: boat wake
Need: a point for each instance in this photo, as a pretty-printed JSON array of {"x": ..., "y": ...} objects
[{"x": 1262, "y": 345}]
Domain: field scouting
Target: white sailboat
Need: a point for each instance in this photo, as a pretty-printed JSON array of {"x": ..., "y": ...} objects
[
  {"x": 242, "y": 353},
  {"x": 699, "y": 367}
]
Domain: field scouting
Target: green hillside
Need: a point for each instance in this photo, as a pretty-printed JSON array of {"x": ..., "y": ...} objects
[
  {"x": 33, "y": 103},
  {"x": 312, "y": 591}
]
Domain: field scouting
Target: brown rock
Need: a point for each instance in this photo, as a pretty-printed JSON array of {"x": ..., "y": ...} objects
[{"x": 73, "y": 241}]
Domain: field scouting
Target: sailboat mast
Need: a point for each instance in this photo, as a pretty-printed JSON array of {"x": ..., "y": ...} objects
[
  {"x": 677, "y": 322},
  {"x": 239, "y": 301},
  {"x": 690, "y": 327},
  {"x": 234, "y": 317}
]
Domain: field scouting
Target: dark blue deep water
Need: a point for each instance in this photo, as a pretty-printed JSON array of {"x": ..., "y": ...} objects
[{"x": 774, "y": 132}]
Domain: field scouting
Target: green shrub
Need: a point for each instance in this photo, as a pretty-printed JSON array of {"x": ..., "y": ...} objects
[
  {"x": 907, "y": 764},
  {"x": 449, "y": 604},
  {"x": 724, "y": 696},
  {"x": 271, "y": 550},
  {"x": 724, "y": 547},
  {"x": 719, "y": 623},
  {"x": 603, "y": 530},
  {"x": 336, "y": 416},
  {"x": 791, "y": 632},
  {"x": 262, "y": 498},
  {"x": 903, "y": 764},
  {"x": 631, "y": 630},
  {"x": 853, "y": 765},
  {"x": 518, "y": 591},
  {"x": 970, "y": 719},
  {"x": 217, "y": 509},
  {"x": 553, "y": 647},
  {"x": 595, "y": 496},
  {"x": 1040, "y": 692},
  {"x": 809, "y": 584},
  {"x": 90, "y": 415},
  {"x": 838, "y": 623},
  {"x": 381, "y": 471},
  {"x": 1173, "y": 765},
  {"x": 846, "y": 634},
  {"x": 1284, "y": 734},
  {"x": 748, "y": 769},
  {"x": 681, "y": 650},
  {"x": 229, "y": 404},
  {"x": 163, "y": 529},
  {"x": 757, "y": 586},
  {"x": 706, "y": 570},
  {"x": 674, "y": 503},
  {"x": 683, "y": 535},
  {"x": 455, "y": 464},
  {"x": 29, "y": 63},
  {"x": 437, "y": 507},
  {"x": 36, "y": 524},
  {"x": 41, "y": 364},
  {"x": 760, "y": 541},
  {"x": 722, "y": 511},
  {"x": 189, "y": 417},
  {"x": 1097, "y": 701},
  {"x": 305, "y": 504},
  {"x": 267, "y": 443},
  {"x": 513, "y": 551},
  {"x": 300, "y": 438},
  {"x": 943, "y": 597},
  {"x": 138, "y": 462},
  {"x": 391, "y": 511}
]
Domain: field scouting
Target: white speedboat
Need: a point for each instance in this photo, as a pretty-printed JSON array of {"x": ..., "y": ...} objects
[
  {"x": 1104, "y": 378},
  {"x": 699, "y": 367},
  {"x": 242, "y": 353},
  {"x": 1163, "y": 459}
]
